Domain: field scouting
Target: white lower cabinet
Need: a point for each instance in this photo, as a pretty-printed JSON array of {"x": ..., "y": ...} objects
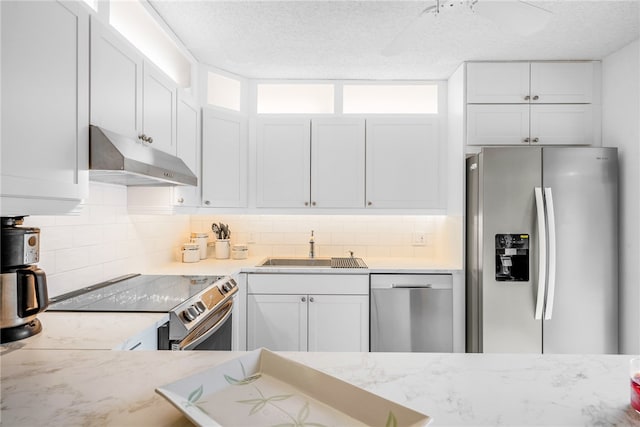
[{"x": 308, "y": 312}]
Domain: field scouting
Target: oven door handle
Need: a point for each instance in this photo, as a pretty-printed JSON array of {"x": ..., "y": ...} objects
[{"x": 193, "y": 340}]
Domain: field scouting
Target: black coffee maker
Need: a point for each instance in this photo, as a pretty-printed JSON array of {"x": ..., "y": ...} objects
[{"x": 23, "y": 290}]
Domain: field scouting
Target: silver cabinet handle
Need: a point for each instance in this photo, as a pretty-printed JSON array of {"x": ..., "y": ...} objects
[
  {"x": 527, "y": 97},
  {"x": 311, "y": 299},
  {"x": 536, "y": 97},
  {"x": 369, "y": 203},
  {"x": 306, "y": 203},
  {"x": 207, "y": 202},
  {"x": 181, "y": 200},
  {"x": 303, "y": 299},
  {"x": 534, "y": 140},
  {"x": 313, "y": 203},
  {"x": 145, "y": 138},
  {"x": 526, "y": 140}
]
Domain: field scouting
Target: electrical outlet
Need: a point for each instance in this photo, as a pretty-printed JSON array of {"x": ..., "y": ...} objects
[{"x": 419, "y": 239}]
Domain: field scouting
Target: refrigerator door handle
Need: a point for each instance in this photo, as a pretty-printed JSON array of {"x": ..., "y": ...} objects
[
  {"x": 551, "y": 284},
  {"x": 542, "y": 252}
]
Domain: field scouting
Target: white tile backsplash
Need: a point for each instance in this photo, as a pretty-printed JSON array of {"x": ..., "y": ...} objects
[
  {"x": 336, "y": 235},
  {"x": 104, "y": 241}
]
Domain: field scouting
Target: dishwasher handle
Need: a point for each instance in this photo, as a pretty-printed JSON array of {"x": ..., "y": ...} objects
[
  {"x": 416, "y": 286},
  {"x": 411, "y": 281}
]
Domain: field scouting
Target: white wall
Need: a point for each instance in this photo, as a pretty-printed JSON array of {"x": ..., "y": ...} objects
[
  {"x": 335, "y": 235},
  {"x": 621, "y": 128},
  {"x": 104, "y": 241}
]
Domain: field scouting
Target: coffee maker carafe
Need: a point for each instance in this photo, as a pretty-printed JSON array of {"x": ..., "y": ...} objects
[{"x": 23, "y": 290}]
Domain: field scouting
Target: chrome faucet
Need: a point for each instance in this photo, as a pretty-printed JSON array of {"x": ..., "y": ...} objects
[{"x": 312, "y": 243}]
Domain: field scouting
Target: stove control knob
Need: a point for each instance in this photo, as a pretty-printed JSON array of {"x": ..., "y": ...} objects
[
  {"x": 190, "y": 313},
  {"x": 227, "y": 286},
  {"x": 200, "y": 306}
]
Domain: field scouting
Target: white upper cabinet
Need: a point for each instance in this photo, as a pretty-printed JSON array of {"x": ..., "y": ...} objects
[
  {"x": 525, "y": 82},
  {"x": 45, "y": 107},
  {"x": 337, "y": 163},
  {"x": 544, "y": 103},
  {"x": 224, "y": 159},
  {"x": 283, "y": 168},
  {"x": 406, "y": 161},
  {"x": 497, "y": 82},
  {"x": 562, "y": 82},
  {"x": 188, "y": 148},
  {"x": 159, "y": 109},
  {"x": 317, "y": 163},
  {"x": 116, "y": 82},
  {"x": 129, "y": 95}
]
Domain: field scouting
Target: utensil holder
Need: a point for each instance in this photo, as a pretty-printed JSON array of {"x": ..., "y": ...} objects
[{"x": 222, "y": 249}]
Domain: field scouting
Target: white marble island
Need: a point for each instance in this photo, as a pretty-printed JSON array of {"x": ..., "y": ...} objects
[{"x": 116, "y": 388}]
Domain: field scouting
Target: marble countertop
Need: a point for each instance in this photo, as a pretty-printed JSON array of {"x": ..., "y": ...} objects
[
  {"x": 88, "y": 331},
  {"x": 117, "y": 388}
]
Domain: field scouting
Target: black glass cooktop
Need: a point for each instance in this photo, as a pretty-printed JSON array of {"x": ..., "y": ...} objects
[{"x": 133, "y": 293}]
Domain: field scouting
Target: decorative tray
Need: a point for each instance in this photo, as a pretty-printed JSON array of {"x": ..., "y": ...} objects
[{"x": 262, "y": 388}]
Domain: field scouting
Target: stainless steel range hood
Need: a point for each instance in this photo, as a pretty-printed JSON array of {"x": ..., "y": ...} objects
[{"x": 117, "y": 159}]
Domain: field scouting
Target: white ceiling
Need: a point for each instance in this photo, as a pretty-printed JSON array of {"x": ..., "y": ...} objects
[{"x": 345, "y": 39}]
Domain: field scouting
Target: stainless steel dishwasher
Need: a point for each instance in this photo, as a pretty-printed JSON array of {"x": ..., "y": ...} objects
[{"x": 412, "y": 312}]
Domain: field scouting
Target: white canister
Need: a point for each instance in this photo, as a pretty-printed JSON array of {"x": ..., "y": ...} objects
[
  {"x": 190, "y": 252},
  {"x": 222, "y": 249},
  {"x": 201, "y": 240},
  {"x": 239, "y": 251}
]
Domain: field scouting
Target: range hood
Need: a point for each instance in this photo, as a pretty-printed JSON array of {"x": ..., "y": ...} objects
[{"x": 117, "y": 159}]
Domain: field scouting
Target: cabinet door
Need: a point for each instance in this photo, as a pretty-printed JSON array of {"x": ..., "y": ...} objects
[
  {"x": 562, "y": 82},
  {"x": 116, "y": 82},
  {"x": 224, "y": 159},
  {"x": 498, "y": 124},
  {"x": 562, "y": 124},
  {"x": 337, "y": 163},
  {"x": 338, "y": 323},
  {"x": 405, "y": 164},
  {"x": 45, "y": 107},
  {"x": 283, "y": 163},
  {"x": 497, "y": 82},
  {"x": 277, "y": 322},
  {"x": 188, "y": 148},
  {"x": 159, "y": 108}
]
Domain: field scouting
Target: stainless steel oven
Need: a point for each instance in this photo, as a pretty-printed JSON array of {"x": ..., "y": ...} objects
[{"x": 200, "y": 308}]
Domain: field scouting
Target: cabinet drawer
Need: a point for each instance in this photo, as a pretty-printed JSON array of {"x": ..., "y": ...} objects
[{"x": 333, "y": 284}]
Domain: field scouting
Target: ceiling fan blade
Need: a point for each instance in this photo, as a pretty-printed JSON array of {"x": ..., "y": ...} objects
[
  {"x": 521, "y": 17},
  {"x": 402, "y": 39}
]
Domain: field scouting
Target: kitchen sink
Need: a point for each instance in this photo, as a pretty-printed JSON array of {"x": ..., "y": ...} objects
[
  {"x": 314, "y": 262},
  {"x": 296, "y": 262}
]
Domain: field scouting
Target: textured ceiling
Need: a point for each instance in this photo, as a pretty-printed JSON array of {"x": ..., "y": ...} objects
[{"x": 346, "y": 39}]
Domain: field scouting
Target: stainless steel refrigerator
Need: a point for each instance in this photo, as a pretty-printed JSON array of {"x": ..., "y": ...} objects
[{"x": 542, "y": 250}]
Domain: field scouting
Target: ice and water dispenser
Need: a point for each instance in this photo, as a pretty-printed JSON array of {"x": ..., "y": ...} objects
[{"x": 512, "y": 257}]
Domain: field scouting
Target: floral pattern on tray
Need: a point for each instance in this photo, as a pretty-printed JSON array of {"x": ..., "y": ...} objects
[{"x": 233, "y": 394}]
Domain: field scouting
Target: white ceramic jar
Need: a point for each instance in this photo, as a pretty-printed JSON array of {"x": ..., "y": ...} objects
[
  {"x": 222, "y": 249},
  {"x": 239, "y": 251},
  {"x": 190, "y": 252},
  {"x": 201, "y": 239}
]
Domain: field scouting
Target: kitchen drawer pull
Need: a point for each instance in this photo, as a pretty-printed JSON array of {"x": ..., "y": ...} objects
[
  {"x": 536, "y": 97},
  {"x": 535, "y": 140},
  {"x": 310, "y": 299},
  {"x": 527, "y": 97},
  {"x": 306, "y": 203},
  {"x": 303, "y": 299},
  {"x": 526, "y": 140}
]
